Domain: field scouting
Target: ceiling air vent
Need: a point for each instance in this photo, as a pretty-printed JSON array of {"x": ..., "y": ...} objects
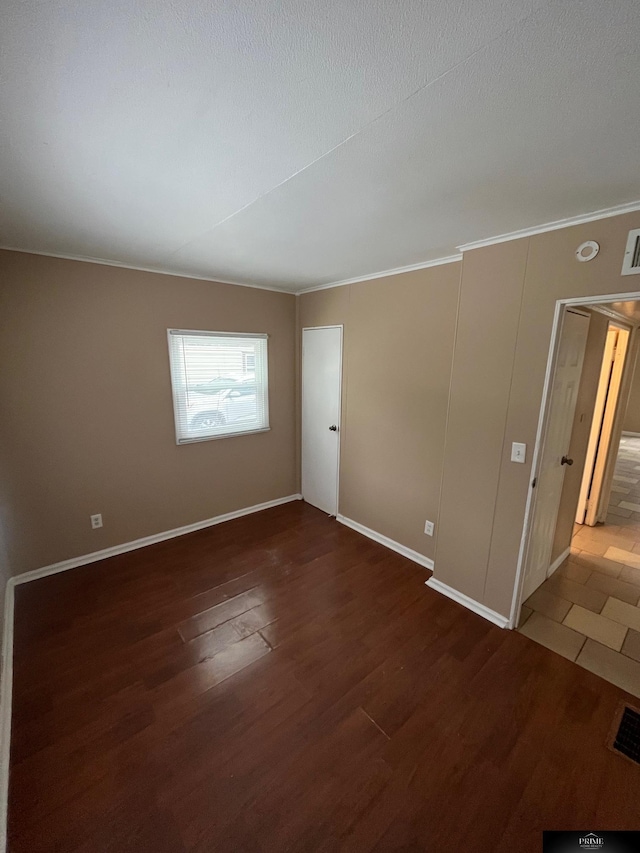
[{"x": 631, "y": 262}]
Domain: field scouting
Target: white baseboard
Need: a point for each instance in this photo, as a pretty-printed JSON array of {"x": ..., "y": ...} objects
[
  {"x": 6, "y": 692},
  {"x": 388, "y": 543},
  {"x": 469, "y": 603},
  {"x": 631, "y": 434},
  {"x": 558, "y": 561},
  {"x": 74, "y": 562},
  {"x": 6, "y": 677}
]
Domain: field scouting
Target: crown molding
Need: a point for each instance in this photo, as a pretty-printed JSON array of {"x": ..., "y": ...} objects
[
  {"x": 107, "y": 263},
  {"x": 437, "y": 262},
  {"x": 558, "y": 224},
  {"x": 594, "y": 216}
]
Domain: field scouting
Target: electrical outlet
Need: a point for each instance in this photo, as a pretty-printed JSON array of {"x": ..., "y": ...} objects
[
  {"x": 428, "y": 528},
  {"x": 96, "y": 521}
]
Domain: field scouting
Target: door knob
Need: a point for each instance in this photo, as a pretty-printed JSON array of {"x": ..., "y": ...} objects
[
  {"x": 333, "y": 428},
  {"x": 566, "y": 461}
]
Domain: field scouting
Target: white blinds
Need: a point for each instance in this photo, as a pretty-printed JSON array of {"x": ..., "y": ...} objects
[{"x": 220, "y": 384}]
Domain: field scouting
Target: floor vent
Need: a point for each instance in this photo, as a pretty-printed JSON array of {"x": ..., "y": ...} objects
[{"x": 627, "y": 739}]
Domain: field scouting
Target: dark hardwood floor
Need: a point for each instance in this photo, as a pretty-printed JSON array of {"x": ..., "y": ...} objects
[{"x": 280, "y": 682}]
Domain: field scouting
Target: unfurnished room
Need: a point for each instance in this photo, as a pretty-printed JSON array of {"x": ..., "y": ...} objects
[{"x": 319, "y": 426}]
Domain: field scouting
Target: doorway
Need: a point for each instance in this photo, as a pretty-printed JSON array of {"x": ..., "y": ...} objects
[
  {"x": 555, "y": 429},
  {"x": 554, "y": 457},
  {"x": 321, "y": 398},
  {"x": 591, "y": 508},
  {"x": 579, "y": 575}
]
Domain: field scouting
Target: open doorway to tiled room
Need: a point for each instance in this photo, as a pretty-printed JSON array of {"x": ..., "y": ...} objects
[
  {"x": 588, "y": 609},
  {"x": 587, "y": 605}
]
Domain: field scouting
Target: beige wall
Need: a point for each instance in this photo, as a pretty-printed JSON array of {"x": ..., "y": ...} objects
[
  {"x": 585, "y": 405},
  {"x": 87, "y": 420},
  {"x": 398, "y": 345},
  {"x": 490, "y": 303},
  {"x": 631, "y": 422},
  {"x": 538, "y": 270},
  {"x": 429, "y": 413},
  {"x": 507, "y": 297}
]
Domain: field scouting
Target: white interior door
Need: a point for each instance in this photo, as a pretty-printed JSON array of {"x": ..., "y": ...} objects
[
  {"x": 562, "y": 405},
  {"x": 321, "y": 388}
]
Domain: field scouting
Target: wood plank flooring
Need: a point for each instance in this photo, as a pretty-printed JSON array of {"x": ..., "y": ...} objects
[{"x": 280, "y": 682}]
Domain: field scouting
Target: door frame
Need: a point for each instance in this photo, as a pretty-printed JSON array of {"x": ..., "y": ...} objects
[
  {"x": 304, "y": 329},
  {"x": 595, "y": 428},
  {"x": 596, "y": 486},
  {"x": 561, "y": 304},
  {"x": 624, "y": 392},
  {"x": 539, "y": 543}
]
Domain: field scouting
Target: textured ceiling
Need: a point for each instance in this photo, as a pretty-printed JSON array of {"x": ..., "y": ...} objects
[{"x": 293, "y": 143}]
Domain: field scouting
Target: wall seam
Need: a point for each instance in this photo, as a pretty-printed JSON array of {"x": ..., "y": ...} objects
[
  {"x": 446, "y": 420},
  {"x": 506, "y": 419}
]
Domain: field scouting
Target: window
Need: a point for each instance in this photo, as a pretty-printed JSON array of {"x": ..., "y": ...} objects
[{"x": 220, "y": 384}]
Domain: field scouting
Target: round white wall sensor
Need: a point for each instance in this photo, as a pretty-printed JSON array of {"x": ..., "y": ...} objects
[{"x": 587, "y": 251}]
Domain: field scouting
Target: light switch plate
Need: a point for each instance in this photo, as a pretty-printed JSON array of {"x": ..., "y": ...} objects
[{"x": 518, "y": 452}]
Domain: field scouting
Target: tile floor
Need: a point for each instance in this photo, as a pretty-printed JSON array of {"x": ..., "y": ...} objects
[{"x": 588, "y": 610}]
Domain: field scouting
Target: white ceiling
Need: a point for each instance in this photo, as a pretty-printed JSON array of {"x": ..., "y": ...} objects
[
  {"x": 293, "y": 143},
  {"x": 625, "y": 310}
]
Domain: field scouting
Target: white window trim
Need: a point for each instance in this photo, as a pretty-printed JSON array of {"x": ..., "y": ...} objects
[{"x": 175, "y": 391}]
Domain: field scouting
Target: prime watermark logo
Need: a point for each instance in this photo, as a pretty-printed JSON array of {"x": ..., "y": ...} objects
[
  {"x": 591, "y": 841},
  {"x": 570, "y": 841}
]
